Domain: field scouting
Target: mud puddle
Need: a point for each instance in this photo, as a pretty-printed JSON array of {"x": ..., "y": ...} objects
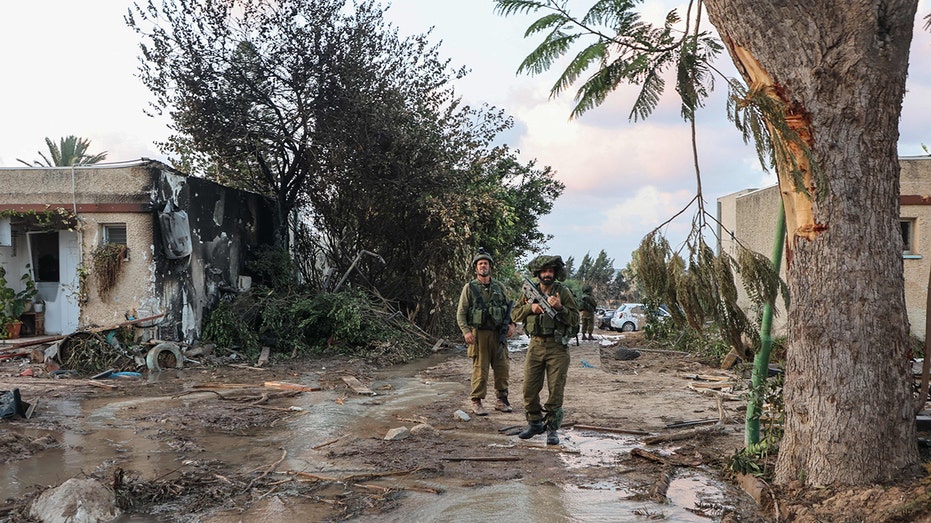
[{"x": 105, "y": 433}]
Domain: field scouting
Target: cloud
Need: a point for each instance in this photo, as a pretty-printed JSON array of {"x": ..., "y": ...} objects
[{"x": 645, "y": 209}]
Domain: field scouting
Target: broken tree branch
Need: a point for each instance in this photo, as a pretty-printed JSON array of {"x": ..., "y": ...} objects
[{"x": 686, "y": 434}]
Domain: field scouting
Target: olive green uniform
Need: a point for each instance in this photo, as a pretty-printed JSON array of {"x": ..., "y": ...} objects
[
  {"x": 587, "y": 311},
  {"x": 486, "y": 324},
  {"x": 547, "y": 356}
]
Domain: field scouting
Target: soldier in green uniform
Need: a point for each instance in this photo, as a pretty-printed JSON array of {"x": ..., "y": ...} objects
[
  {"x": 587, "y": 310},
  {"x": 548, "y": 353},
  {"x": 483, "y": 317}
]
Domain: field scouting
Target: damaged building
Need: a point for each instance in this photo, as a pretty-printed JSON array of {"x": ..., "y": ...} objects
[
  {"x": 750, "y": 217},
  {"x": 107, "y": 242}
]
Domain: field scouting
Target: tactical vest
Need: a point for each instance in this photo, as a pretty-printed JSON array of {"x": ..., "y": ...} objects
[
  {"x": 543, "y": 325},
  {"x": 488, "y": 305}
]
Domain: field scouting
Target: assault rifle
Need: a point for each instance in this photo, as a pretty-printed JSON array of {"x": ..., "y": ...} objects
[
  {"x": 533, "y": 295},
  {"x": 503, "y": 332}
]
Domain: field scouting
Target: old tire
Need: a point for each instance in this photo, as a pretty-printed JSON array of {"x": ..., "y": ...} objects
[{"x": 161, "y": 355}]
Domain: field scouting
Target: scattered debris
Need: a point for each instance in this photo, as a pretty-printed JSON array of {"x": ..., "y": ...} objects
[
  {"x": 12, "y": 404},
  {"x": 105, "y": 374},
  {"x": 686, "y": 434},
  {"x": 513, "y": 430},
  {"x": 357, "y": 386},
  {"x": 754, "y": 486},
  {"x": 283, "y": 385},
  {"x": 692, "y": 423},
  {"x": 164, "y": 355},
  {"x": 730, "y": 360}
]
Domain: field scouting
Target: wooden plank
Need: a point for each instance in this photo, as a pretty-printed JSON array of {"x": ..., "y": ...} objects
[
  {"x": 100, "y": 384},
  {"x": 7, "y": 345},
  {"x": 290, "y": 386},
  {"x": 715, "y": 385},
  {"x": 123, "y": 324},
  {"x": 692, "y": 423},
  {"x": 357, "y": 385}
]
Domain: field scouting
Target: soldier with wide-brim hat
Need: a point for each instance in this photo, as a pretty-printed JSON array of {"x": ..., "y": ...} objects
[{"x": 548, "y": 353}]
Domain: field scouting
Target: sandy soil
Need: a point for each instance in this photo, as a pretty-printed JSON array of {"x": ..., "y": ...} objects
[{"x": 640, "y": 396}]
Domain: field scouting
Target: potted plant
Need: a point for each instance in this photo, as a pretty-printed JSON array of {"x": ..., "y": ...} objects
[
  {"x": 13, "y": 304},
  {"x": 29, "y": 291}
]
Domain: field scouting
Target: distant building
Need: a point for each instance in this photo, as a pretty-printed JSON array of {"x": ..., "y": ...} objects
[
  {"x": 187, "y": 241},
  {"x": 751, "y": 216}
]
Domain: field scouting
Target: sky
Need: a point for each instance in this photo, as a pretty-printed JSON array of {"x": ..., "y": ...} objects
[{"x": 70, "y": 68}]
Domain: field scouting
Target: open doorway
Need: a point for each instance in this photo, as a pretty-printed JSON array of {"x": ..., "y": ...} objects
[
  {"x": 54, "y": 254},
  {"x": 46, "y": 261}
]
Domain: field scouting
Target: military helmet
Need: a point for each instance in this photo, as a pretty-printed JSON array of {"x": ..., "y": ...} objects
[
  {"x": 482, "y": 255},
  {"x": 540, "y": 262}
]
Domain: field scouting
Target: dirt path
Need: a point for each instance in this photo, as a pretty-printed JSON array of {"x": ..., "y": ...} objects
[{"x": 213, "y": 444}]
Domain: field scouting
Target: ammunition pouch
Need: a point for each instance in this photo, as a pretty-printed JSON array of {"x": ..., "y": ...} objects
[{"x": 476, "y": 317}]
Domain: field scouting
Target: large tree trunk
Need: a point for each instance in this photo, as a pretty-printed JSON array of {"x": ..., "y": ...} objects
[{"x": 839, "y": 67}]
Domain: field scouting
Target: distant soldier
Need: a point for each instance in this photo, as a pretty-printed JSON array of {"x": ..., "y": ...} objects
[
  {"x": 587, "y": 308},
  {"x": 483, "y": 316}
]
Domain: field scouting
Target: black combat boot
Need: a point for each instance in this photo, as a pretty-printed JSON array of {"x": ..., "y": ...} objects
[
  {"x": 533, "y": 428},
  {"x": 551, "y": 437}
]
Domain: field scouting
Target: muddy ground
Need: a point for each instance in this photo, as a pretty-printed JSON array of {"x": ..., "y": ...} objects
[{"x": 346, "y": 469}]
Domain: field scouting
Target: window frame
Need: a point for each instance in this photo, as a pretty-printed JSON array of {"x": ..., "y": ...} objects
[{"x": 907, "y": 227}]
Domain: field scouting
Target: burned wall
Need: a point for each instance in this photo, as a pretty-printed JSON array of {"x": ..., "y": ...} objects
[{"x": 226, "y": 227}]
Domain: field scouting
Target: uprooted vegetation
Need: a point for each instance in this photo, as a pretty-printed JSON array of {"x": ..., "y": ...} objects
[{"x": 293, "y": 323}]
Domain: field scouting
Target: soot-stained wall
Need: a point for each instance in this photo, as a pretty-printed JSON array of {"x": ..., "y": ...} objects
[{"x": 227, "y": 227}]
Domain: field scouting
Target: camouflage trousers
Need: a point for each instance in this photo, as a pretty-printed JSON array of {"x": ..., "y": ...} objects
[
  {"x": 547, "y": 359},
  {"x": 485, "y": 353}
]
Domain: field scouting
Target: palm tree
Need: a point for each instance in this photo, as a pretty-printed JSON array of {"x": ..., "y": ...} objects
[{"x": 72, "y": 151}]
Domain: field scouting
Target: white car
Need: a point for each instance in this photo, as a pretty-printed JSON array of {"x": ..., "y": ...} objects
[
  {"x": 631, "y": 317},
  {"x": 628, "y": 317}
]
